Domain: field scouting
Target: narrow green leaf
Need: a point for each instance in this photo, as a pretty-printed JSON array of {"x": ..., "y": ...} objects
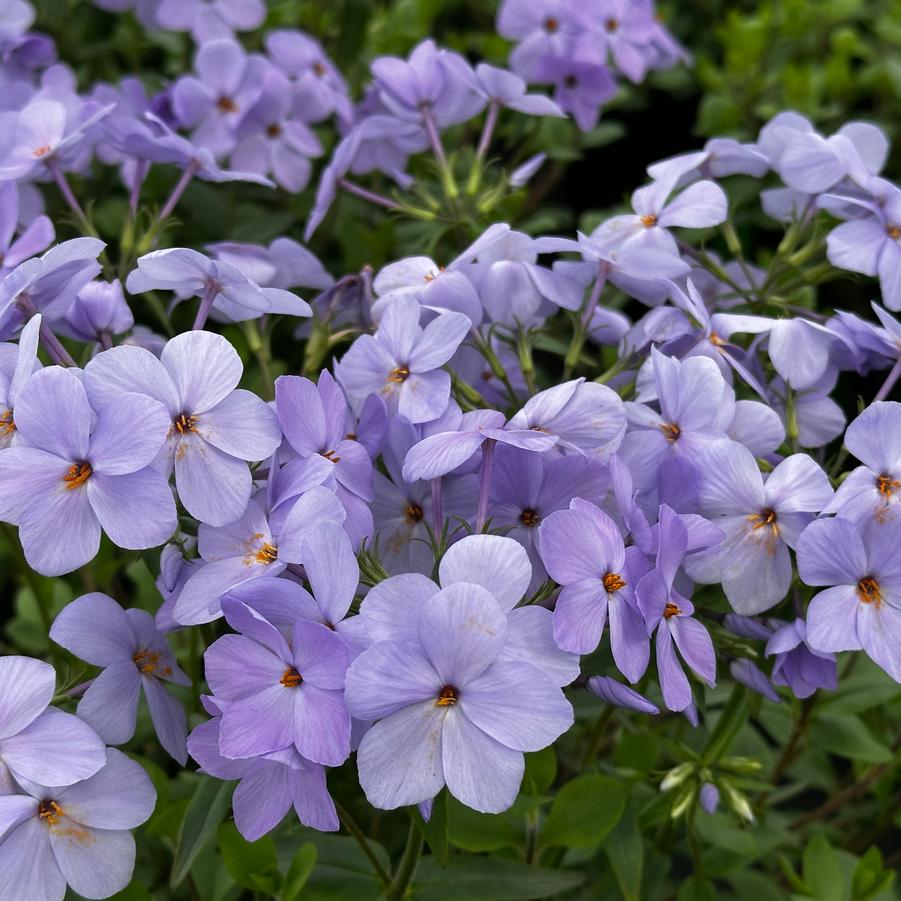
[
  {"x": 584, "y": 811},
  {"x": 625, "y": 852},
  {"x": 822, "y": 873},
  {"x": 541, "y": 768},
  {"x": 246, "y": 860},
  {"x": 732, "y": 718},
  {"x": 299, "y": 872},
  {"x": 204, "y": 813},
  {"x": 489, "y": 879}
]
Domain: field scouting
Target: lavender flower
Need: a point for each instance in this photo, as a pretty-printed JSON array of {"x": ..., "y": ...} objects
[
  {"x": 98, "y": 312},
  {"x": 212, "y": 429},
  {"x": 620, "y": 695},
  {"x": 797, "y": 664},
  {"x": 75, "y": 836},
  {"x": 862, "y": 608},
  {"x": 133, "y": 655},
  {"x": 31, "y": 241},
  {"x": 401, "y": 361},
  {"x": 17, "y": 364},
  {"x": 449, "y": 710},
  {"x": 762, "y": 520},
  {"x": 67, "y": 477},
  {"x": 210, "y": 19},
  {"x": 39, "y": 743}
]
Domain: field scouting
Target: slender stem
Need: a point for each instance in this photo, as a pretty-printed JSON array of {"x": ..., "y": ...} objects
[
  {"x": 487, "y": 131},
  {"x": 791, "y": 747},
  {"x": 497, "y": 369},
  {"x": 351, "y": 826},
  {"x": 134, "y": 195},
  {"x": 526, "y": 363},
  {"x": 431, "y": 129},
  {"x": 889, "y": 382},
  {"x": 366, "y": 194},
  {"x": 66, "y": 190},
  {"x": 105, "y": 340},
  {"x": 485, "y": 482},
  {"x": 181, "y": 185},
  {"x": 210, "y": 291},
  {"x": 407, "y": 866},
  {"x": 580, "y": 333},
  {"x": 49, "y": 341},
  {"x": 596, "y": 736},
  {"x": 437, "y": 508}
]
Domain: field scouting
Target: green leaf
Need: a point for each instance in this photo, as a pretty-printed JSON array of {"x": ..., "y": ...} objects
[
  {"x": 473, "y": 831},
  {"x": 848, "y": 736},
  {"x": 731, "y": 719},
  {"x": 299, "y": 872},
  {"x": 625, "y": 851},
  {"x": 489, "y": 879},
  {"x": 246, "y": 861},
  {"x": 696, "y": 888},
  {"x": 869, "y": 877},
  {"x": 822, "y": 874},
  {"x": 435, "y": 831},
  {"x": 204, "y": 813},
  {"x": 584, "y": 811},
  {"x": 541, "y": 768}
]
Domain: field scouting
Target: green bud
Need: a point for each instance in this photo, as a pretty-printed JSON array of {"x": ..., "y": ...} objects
[
  {"x": 684, "y": 801},
  {"x": 741, "y": 766},
  {"x": 737, "y": 801},
  {"x": 676, "y": 776}
]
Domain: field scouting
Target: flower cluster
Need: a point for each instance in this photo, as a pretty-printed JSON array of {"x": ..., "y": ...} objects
[{"x": 417, "y": 553}]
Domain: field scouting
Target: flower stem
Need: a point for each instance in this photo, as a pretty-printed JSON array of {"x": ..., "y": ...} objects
[
  {"x": 172, "y": 201},
  {"x": 407, "y": 866},
  {"x": 371, "y": 196},
  {"x": 210, "y": 291},
  {"x": 68, "y": 195},
  {"x": 437, "y": 511},
  {"x": 351, "y": 826},
  {"x": 485, "y": 482},
  {"x": 889, "y": 382}
]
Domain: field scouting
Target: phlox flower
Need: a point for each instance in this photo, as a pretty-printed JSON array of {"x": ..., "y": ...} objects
[
  {"x": 761, "y": 520},
  {"x": 620, "y": 695},
  {"x": 670, "y": 613},
  {"x": 133, "y": 655},
  {"x": 75, "y": 836},
  {"x": 213, "y": 429},
  {"x": 797, "y": 664},
  {"x": 583, "y": 551},
  {"x": 18, "y": 362},
  {"x": 208, "y": 19},
  {"x": 449, "y": 710},
  {"x": 39, "y": 743},
  {"x": 862, "y": 606},
  {"x": 98, "y": 312},
  {"x": 34, "y": 238},
  {"x": 74, "y": 471}
]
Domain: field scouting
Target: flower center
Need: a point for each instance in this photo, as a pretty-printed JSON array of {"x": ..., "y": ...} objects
[
  {"x": 50, "y": 812},
  {"x": 291, "y": 678},
  {"x": 671, "y": 431},
  {"x": 530, "y": 518},
  {"x": 77, "y": 475},
  {"x": 765, "y": 519},
  {"x": 7, "y": 423},
  {"x": 148, "y": 662},
  {"x": 227, "y": 105},
  {"x": 268, "y": 553},
  {"x": 412, "y": 513},
  {"x": 613, "y": 582},
  {"x": 611, "y": 25},
  {"x": 885, "y": 484},
  {"x": 570, "y": 82},
  {"x": 185, "y": 422},
  {"x": 447, "y": 697},
  {"x": 551, "y": 25},
  {"x": 649, "y": 221},
  {"x": 319, "y": 68},
  {"x": 399, "y": 375},
  {"x": 868, "y": 591},
  {"x": 670, "y": 610},
  {"x": 274, "y": 130},
  {"x": 43, "y": 150},
  {"x": 893, "y": 231},
  {"x": 331, "y": 455}
]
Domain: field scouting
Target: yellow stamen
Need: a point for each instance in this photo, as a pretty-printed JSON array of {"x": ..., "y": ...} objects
[
  {"x": 893, "y": 231},
  {"x": 413, "y": 513},
  {"x": 7, "y": 423},
  {"x": 447, "y": 697},
  {"x": 765, "y": 519},
  {"x": 887, "y": 486},
  {"x": 268, "y": 553},
  {"x": 671, "y": 431},
  {"x": 331, "y": 455},
  {"x": 649, "y": 221},
  {"x": 868, "y": 591},
  {"x": 185, "y": 422},
  {"x": 399, "y": 375},
  {"x": 613, "y": 582},
  {"x": 43, "y": 150},
  {"x": 77, "y": 475},
  {"x": 291, "y": 678},
  {"x": 148, "y": 662},
  {"x": 50, "y": 812},
  {"x": 670, "y": 610}
]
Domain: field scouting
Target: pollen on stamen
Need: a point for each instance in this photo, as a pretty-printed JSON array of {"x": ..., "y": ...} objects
[
  {"x": 551, "y": 25},
  {"x": 268, "y": 553},
  {"x": 331, "y": 455},
  {"x": 185, "y": 422},
  {"x": 885, "y": 485},
  {"x": 670, "y": 610},
  {"x": 227, "y": 105},
  {"x": 649, "y": 221},
  {"x": 7, "y": 423},
  {"x": 671, "y": 432},
  {"x": 611, "y": 25},
  {"x": 147, "y": 661},
  {"x": 400, "y": 374},
  {"x": 50, "y": 812},
  {"x": 893, "y": 231},
  {"x": 447, "y": 697},
  {"x": 291, "y": 678},
  {"x": 274, "y": 130},
  {"x": 43, "y": 150},
  {"x": 77, "y": 475},
  {"x": 413, "y": 513},
  {"x": 613, "y": 582},
  {"x": 765, "y": 519},
  {"x": 869, "y": 592}
]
